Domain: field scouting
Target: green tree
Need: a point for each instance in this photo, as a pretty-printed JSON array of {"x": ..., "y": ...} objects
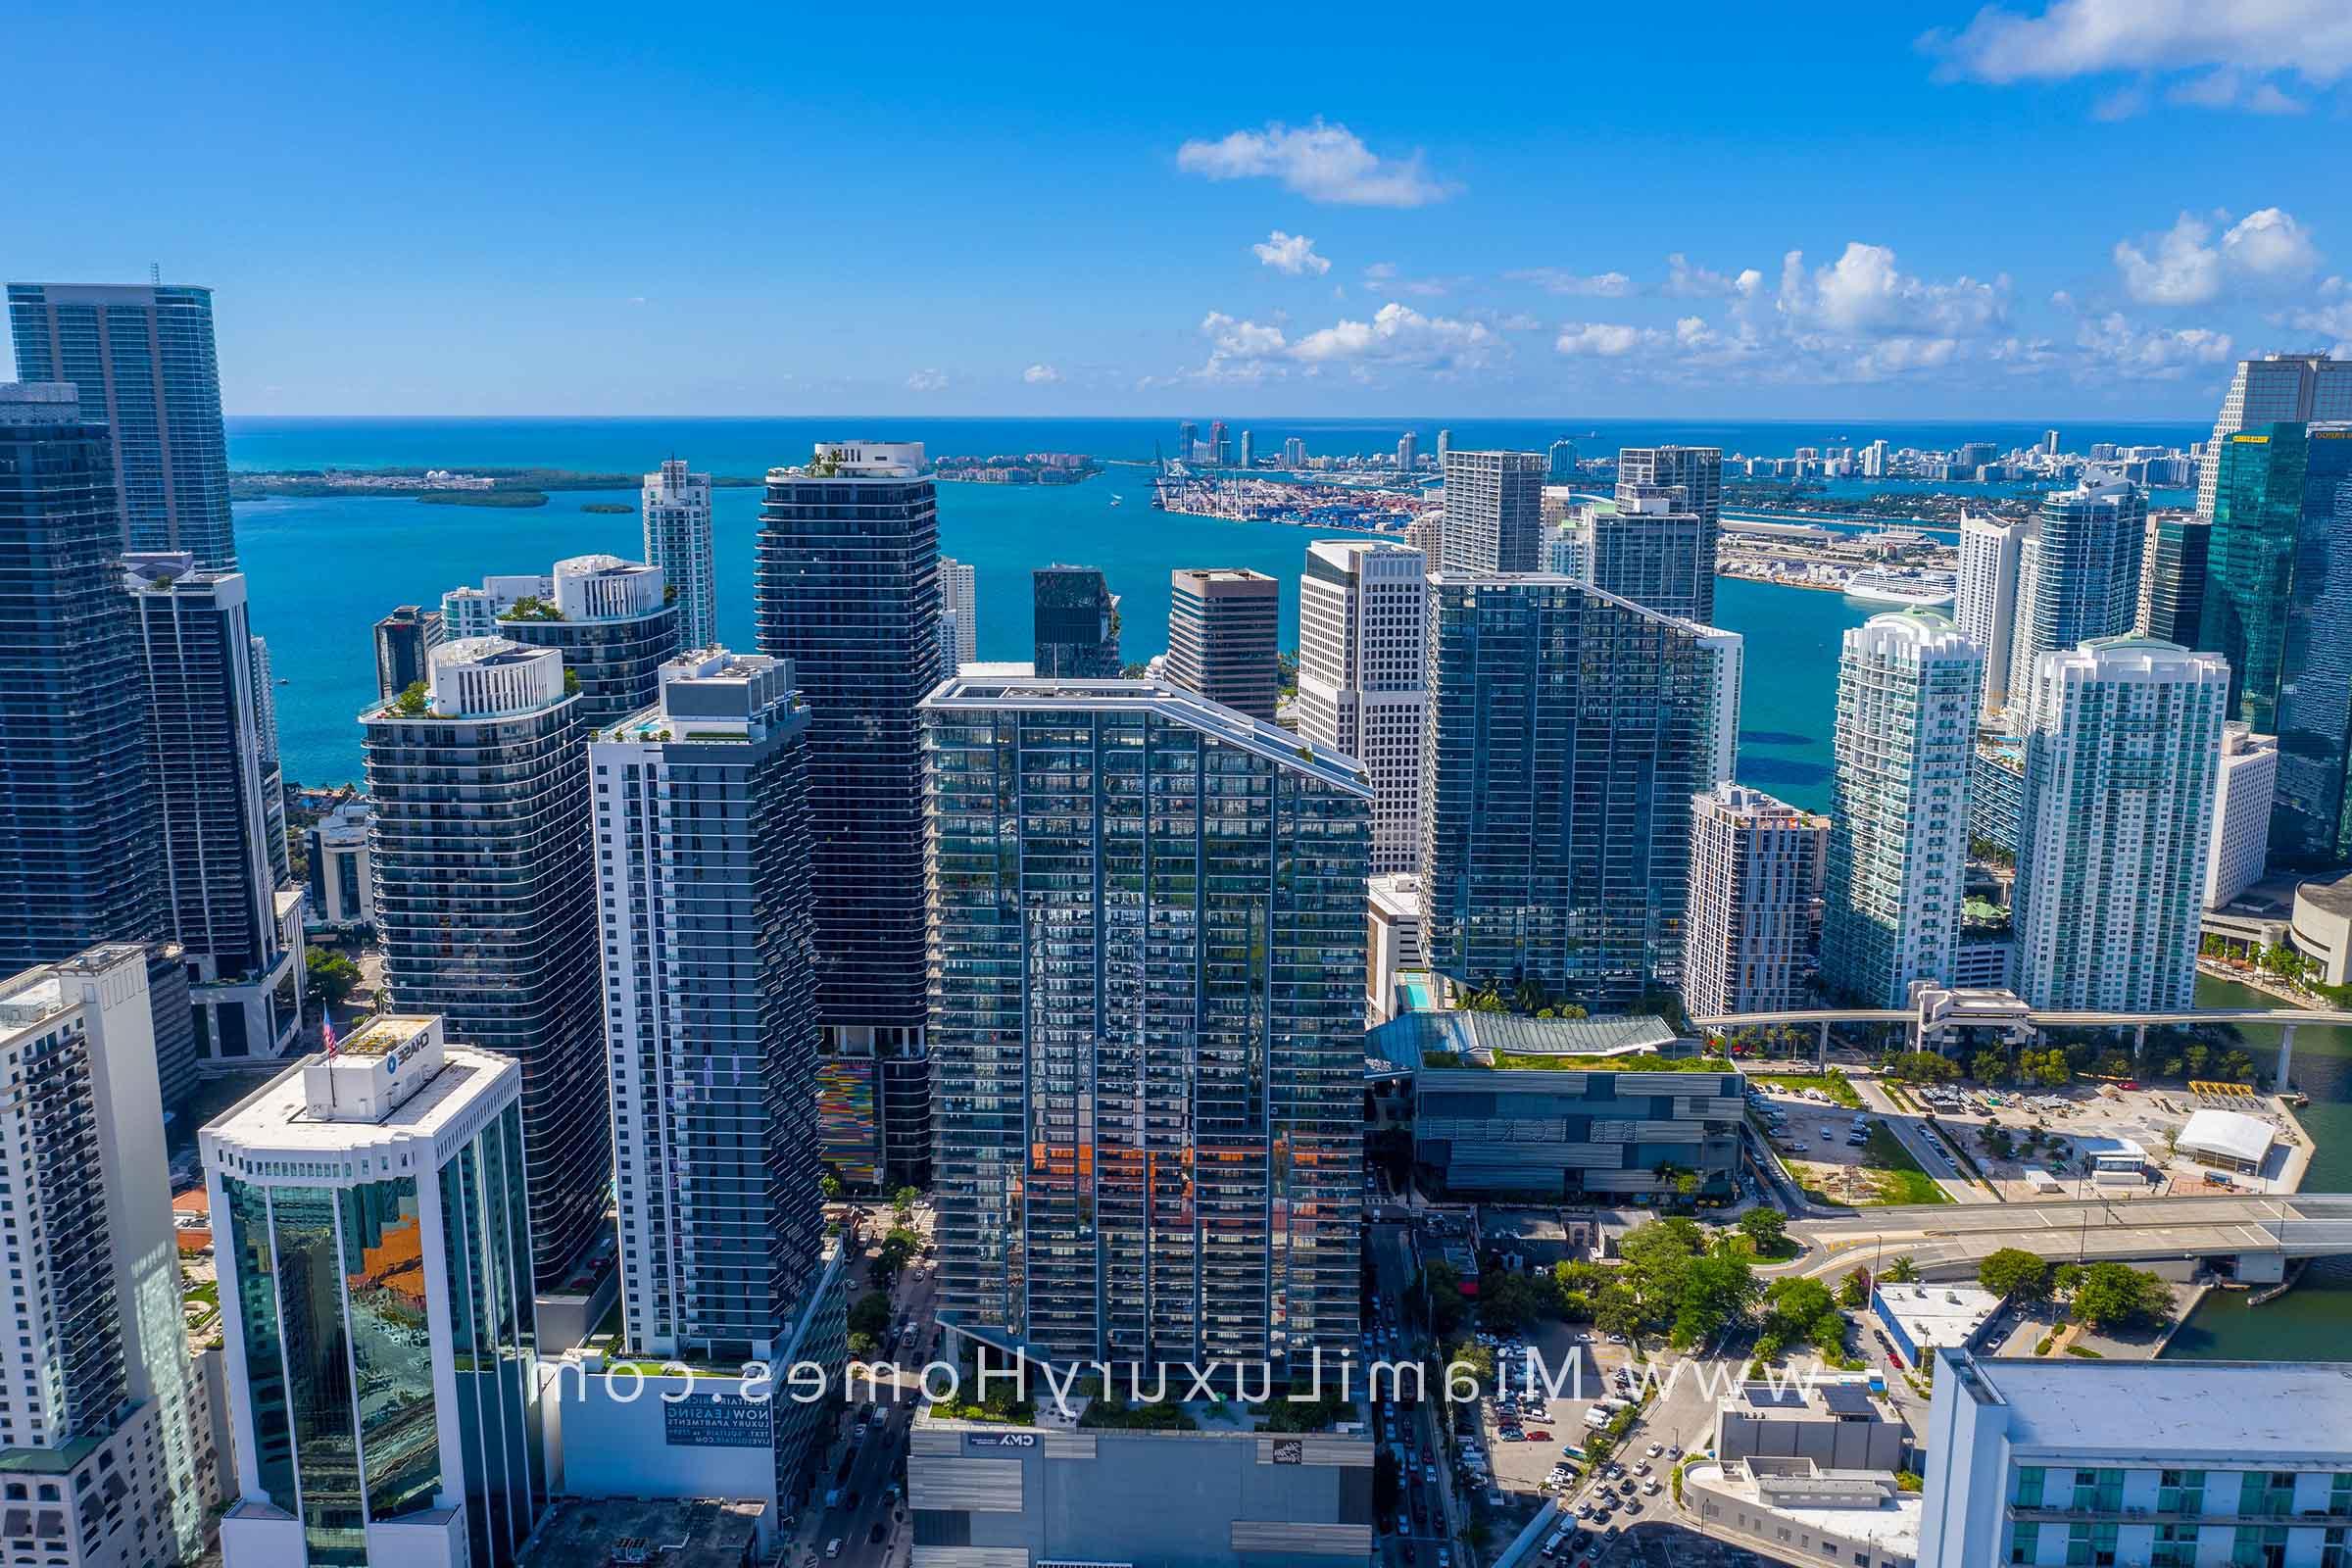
[
  {"x": 828, "y": 1187},
  {"x": 1901, "y": 1270},
  {"x": 1853, "y": 1291},
  {"x": 414, "y": 700},
  {"x": 1765, "y": 1228},
  {"x": 871, "y": 1314},
  {"x": 902, "y": 1202},
  {"x": 1506, "y": 1302},
  {"x": 1922, "y": 1067},
  {"x": 2115, "y": 1296},
  {"x": 2015, "y": 1274},
  {"x": 1617, "y": 1310},
  {"x": 331, "y": 975},
  {"x": 1990, "y": 1067}
]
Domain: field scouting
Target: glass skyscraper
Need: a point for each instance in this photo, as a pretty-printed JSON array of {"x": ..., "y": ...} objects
[
  {"x": 2278, "y": 608},
  {"x": 2172, "y": 578},
  {"x": 1148, "y": 945},
  {"x": 485, "y": 901},
  {"x": 142, "y": 359},
  {"x": 2078, "y": 572},
  {"x": 1074, "y": 623},
  {"x": 79, "y": 838},
  {"x": 1568, "y": 731},
  {"x": 376, "y": 1285},
  {"x": 847, "y": 588}
]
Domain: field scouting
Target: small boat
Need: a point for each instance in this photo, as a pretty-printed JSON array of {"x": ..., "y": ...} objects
[
  {"x": 1116, "y": 500},
  {"x": 284, "y": 681}
]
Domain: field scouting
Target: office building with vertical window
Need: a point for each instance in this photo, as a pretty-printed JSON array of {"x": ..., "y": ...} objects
[
  {"x": 1723, "y": 657},
  {"x": 2172, "y": 1464},
  {"x": 2117, "y": 825},
  {"x": 959, "y": 615},
  {"x": 1074, "y": 621},
  {"x": 141, "y": 357},
  {"x": 2278, "y": 388},
  {"x": 1567, "y": 735},
  {"x": 1149, "y": 955},
  {"x": 405, "y": 641},
  {"x": 1756, "y": 867},
  {"x": 710, "y": 976},
  {"x": 847, "y": 589},
  {"x": 79, "y": 839},
  {"x": 2078, "y": 574},
  {"x": 1363, "y": 645},
  {"x": 1224, "y": 636},
  {"x": 2172, "y": 577},
  {"x": 1493, "y": 517},
  {"x": 2278, "y": 608},
  {"x": 676, "y": 504},
  {"x": 104, "y": 1460},
  {"x": 214, "y": 778},
  {"x": 1905, "y": 741},
  {"x": 485, "y": 904},
  {"x": 1657, "y": 543},
  {"x": 373, "y": 1228}
]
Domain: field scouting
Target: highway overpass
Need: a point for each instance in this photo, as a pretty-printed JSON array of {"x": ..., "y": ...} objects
[
  {"x": 1938, "y": 1011},
  {"x": 2260, "y": 1235}
]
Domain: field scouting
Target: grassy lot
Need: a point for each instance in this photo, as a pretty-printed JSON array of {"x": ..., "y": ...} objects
[
  {"x": 1833, "y": 1085},
  {"x": 1889, "y": 1175}
]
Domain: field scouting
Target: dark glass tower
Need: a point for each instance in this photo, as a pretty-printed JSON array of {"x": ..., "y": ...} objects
[
  {"x": 847, "y": 586},
  {"x": 1567, "y": 734},
  {"x": 485, "y": 900},
  {"x": 79, "y": 839},
  {"x": 1076, "y": 624},
  {"x": 1149, "y": 934},
  {"x": 142, "y": 358},
  {"x": 213, "y": 780},
  {"x": 2279, "y": 606},
  {"x": 2172, "y": 577}
]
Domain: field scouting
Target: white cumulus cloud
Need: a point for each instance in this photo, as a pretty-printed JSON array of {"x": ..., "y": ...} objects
[
  {"x": 1041, "y": 375},
  {"x": 1863, "y": 292},
  {"x": 1294, "y": 254},
  {"x": 2070, "y": 38},
  {"x": 2113, "y": 344},
  {"x": 1607, "y": 340},
  {"x": 1685, "y": 281},
  {"x": 1557, "y": 281},
  {"x": 1323, "y": 162},
  {"x": 1400, "y": 335},
  {"x": 927, "y": 380},
  {"x": 2184, "y": 266}
]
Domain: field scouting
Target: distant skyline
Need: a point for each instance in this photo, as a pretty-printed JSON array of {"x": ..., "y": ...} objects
[{"x": 2087, "y": 209}]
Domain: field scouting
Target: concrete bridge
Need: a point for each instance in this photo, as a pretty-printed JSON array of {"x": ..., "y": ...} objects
[
  {"x": 2260, "y": 1234},
  {"x": 1937, "y": 1012}
]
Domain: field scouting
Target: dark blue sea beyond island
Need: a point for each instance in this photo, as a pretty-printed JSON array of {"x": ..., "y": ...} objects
[{"x": 323, "y": 570}]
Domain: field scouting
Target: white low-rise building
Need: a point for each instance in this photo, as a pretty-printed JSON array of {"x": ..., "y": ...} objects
[
  {"x": 1795, "y": 1509},
  {"x": 1922, "y": 1318},
  {"x": 2172, "y": 1464},
  {"x": 2230, "y": 1139}
]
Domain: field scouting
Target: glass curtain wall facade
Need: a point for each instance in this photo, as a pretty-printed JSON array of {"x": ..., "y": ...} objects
[
  {"x": 143, "y": 361},
  {"x": 342, "y": 1314},
  {"x": 847, "y": 587},
  {"x": 1148, "y": 945},
  {"x": 1074, "y": 623},
  {"x": 78, "y": 835},
  {"x": 1567, "y": 735},
  {"x": 2172, "y": 582},
  {"x": 2279, "y": 606}
]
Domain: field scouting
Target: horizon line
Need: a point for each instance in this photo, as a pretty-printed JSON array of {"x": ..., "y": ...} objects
[{"x": 1335, "y": 418}]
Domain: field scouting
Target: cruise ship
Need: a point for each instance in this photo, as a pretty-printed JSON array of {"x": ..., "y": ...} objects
[{"x": 1914, "y": 590}]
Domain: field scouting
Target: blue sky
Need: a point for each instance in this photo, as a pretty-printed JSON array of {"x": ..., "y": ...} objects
[{"x": 1920, "y": 210}]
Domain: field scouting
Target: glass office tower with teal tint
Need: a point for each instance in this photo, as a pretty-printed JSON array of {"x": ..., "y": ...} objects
[
  {"x": 1568, "y": 730},
  {"x": 377, "y": 1290},
  {"x": 1148, "y": 945},
  {"x": 2279, "y": 606}
]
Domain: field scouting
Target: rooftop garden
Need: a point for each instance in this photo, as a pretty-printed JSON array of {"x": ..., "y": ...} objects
[{"x": 530, "y": 606}]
